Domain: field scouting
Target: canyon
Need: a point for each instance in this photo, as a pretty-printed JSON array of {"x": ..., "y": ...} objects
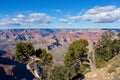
[{"x": 55, "y": 41}]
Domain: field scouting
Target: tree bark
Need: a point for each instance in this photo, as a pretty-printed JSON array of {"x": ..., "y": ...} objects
[
  {"x": 34, "y": 72},
  {"x": 91, "y": 61},
  {"x": 91, "y": 58},
  {"x": 92, "y": 65}
]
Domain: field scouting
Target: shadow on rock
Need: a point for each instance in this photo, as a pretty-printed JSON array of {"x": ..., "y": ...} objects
[
  {"x": 2, "y": 52},
  {"x": 3, "y": 75},
  {"x": 19, "y": 71},
  {"x": 78, "y": 77}
]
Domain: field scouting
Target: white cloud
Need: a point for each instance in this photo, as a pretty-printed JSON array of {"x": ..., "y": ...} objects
[
  {"x": 58, "y": 11},
  {"x": 102, "y": 14},
  {"x": 39, "y": 18},
  {"x": 63, "y": 21},
  {"x": 74, "y": 18},
  {"x": 20, "y": 16},
  {"x": 32, "y": 18},
  {"x": 9, "y": 22}
]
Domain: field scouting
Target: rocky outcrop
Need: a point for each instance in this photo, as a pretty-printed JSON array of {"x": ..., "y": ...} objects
[
  {"x": 55, "y": 41},
  {"x": 109, "y": 72}
]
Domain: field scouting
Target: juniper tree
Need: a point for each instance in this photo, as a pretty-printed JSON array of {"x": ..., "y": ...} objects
[
  {"x": 106, "y": 48},
  {"x": 76, "y": 58},
  {"x": 25, "y": 53}
]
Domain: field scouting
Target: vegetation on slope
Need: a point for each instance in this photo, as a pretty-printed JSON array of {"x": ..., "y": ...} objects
[
  {"x": 77, "y": 60},
  {"x": 106, "y": 48},
  {"x": 25, "y": 53}
]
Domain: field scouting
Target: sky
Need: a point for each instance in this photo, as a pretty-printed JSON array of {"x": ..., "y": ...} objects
[{"x": 67, "y": 14}]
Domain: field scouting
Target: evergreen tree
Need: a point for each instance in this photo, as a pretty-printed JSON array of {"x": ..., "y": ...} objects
[
  {"x": 25, "y": 53},
  {"x": 106, "y": 48},
  {"x": 76, "y": 58}
]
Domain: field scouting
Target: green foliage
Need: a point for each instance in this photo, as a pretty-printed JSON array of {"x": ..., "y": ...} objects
[
  {"x": 46, "y": 62},
  {"x": 44, "y": 56},
  {"x": 83, "y": 68},
  {"x": 107, "y": 35},
  {"x": 73, "y": 70},
  {"x": 76, "y": 51},
  {"x": 23, "y": 51},
  {"x": 58, "y": 73},
  {"x": 116, "y": 46},
  {"x": 100, "y": 62},
  {"x": 65, "y": 73},
  {"x": 106, "y": 48},
  {"x": 75, "y": 56}
]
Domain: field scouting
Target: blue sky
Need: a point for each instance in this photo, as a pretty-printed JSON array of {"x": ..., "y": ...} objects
[{"x": 16, "y": 14}]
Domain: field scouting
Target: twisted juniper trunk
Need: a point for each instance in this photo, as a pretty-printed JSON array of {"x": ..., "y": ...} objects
[
  {"x": 92, "y": 61},
  {"x": 92, "y": 66},
  {"x": 33, "y": 71},
  {"x": 91, "y": 58}
]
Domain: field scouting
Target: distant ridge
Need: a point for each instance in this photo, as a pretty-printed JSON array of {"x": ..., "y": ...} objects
[{"x": 117, "y": 30}]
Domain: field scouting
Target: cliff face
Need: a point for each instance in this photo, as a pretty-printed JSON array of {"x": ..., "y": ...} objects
[
  {"x": 12, "y": 70},
  {"x": 55, "y": 41}
]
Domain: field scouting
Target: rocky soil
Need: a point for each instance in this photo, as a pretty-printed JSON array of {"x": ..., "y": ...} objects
[{"x": 109, "y": 72}]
